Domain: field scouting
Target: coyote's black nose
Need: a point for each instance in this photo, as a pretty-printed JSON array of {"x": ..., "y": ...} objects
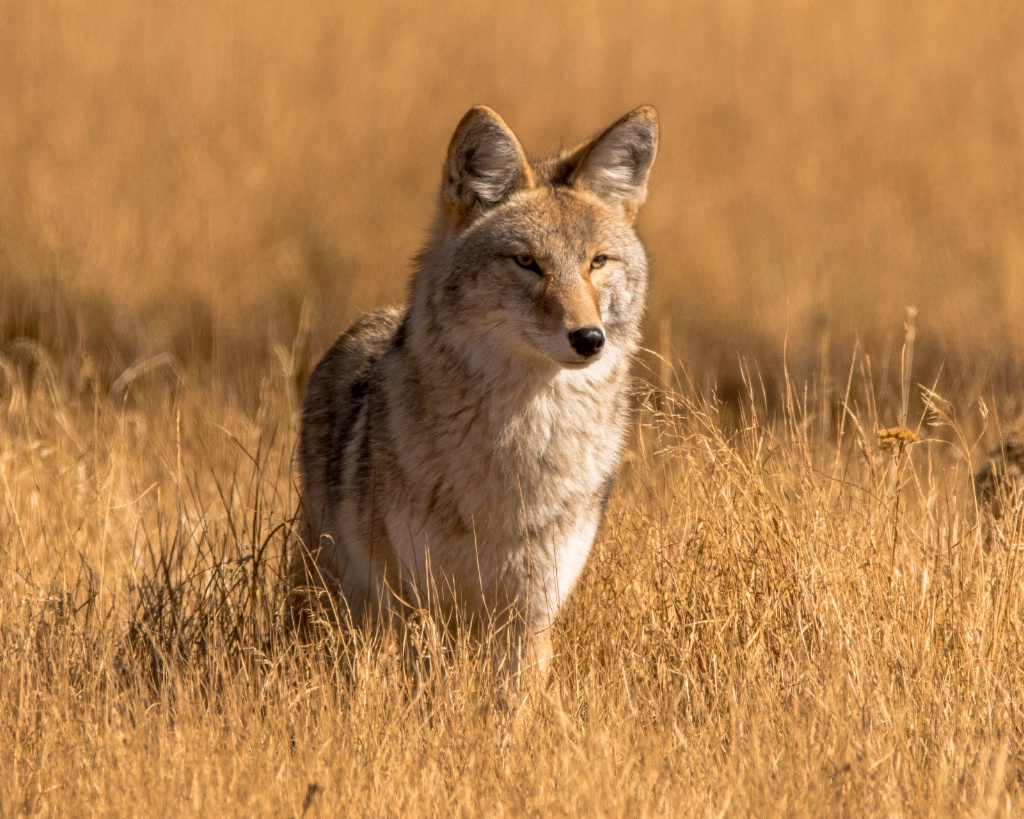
[{"x": 587, "y": 341}]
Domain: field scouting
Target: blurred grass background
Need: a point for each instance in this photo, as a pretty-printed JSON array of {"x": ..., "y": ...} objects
[
  {"x": 182, "y": 178},
  {"x": 780, "y": 616}
]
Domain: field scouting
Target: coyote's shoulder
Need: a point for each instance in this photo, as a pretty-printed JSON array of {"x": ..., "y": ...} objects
[{"x": 459, "y": 452}]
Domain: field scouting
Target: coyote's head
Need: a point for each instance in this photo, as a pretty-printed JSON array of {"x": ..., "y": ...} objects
[{"x": 538, "y": 259}]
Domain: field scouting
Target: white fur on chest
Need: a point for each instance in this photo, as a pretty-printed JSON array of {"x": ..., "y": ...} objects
[
  {"x": 522, "y": 459},
  {"x": 526, "y": 471}
]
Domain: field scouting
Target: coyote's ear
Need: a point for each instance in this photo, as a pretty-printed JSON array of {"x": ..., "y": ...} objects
[
  {"x": 616, "y": 164},
  {"x": 485, "y": 165}
]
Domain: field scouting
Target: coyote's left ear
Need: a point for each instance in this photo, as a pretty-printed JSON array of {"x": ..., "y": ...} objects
[{"x": 617, "y": 163}]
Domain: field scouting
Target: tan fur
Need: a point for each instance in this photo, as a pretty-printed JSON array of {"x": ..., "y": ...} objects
[{"x": 457, "y": 454}]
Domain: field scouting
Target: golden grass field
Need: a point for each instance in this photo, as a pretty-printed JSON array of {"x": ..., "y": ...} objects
[{"x": 782, "y": 616}]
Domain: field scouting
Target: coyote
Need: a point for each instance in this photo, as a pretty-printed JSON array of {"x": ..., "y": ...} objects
[{"x": 458, "y": 453}]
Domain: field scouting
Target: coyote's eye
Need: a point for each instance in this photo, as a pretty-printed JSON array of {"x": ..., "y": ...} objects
[
  {"x": 527, "y": 263},
  {"x": 598, "y": 262}
]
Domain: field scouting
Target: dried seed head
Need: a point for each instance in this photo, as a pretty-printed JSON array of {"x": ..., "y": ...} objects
[{"x": 896, "y": 438}]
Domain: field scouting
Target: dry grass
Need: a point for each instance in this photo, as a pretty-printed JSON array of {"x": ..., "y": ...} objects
[{"x": 784, "y": 614}]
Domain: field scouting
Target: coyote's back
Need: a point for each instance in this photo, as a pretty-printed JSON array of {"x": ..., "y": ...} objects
[{"x": 458, "y": 453}]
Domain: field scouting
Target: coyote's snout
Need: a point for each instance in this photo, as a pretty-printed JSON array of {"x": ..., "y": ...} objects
[
  {"x": 457, "y": 453},
  {"x": 587, "y": 341}
]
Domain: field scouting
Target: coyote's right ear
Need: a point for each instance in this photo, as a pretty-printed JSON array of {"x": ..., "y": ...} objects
[{"x": 485, "y": 165}]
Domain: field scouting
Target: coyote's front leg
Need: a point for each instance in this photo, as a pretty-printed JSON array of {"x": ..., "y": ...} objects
[{"x": 523, "y": 657}]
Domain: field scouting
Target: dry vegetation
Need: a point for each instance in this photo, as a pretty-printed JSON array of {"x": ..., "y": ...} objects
[{"x": 783, "y": 615}]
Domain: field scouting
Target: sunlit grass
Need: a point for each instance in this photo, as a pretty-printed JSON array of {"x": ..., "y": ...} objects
[
  {"x": 800, "y": 603},
  {"x": 768, "y": 624}
]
